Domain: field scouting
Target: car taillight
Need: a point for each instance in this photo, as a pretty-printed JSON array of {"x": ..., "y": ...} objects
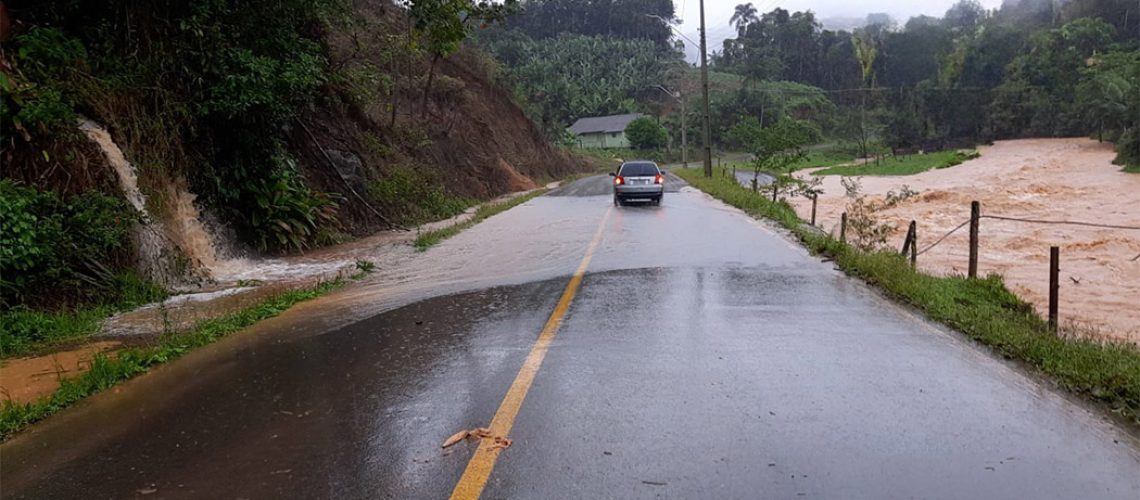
[
  {"x": 660, "y": 179},
  {"x": 619, "y": 180}
]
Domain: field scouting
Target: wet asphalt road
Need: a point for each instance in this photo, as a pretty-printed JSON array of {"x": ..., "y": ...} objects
[{"x": 704, "y": 356}]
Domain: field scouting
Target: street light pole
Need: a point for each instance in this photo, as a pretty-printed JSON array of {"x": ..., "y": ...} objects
[
  {"x": 705, "y": 91},
  {"x": 684, "y": 134}
]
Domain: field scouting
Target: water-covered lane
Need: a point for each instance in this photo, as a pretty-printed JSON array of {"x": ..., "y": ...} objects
[{"x": 702, "y": 349}]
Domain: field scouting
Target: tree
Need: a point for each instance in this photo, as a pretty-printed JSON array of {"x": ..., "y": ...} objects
[
  {"x": 444, "y": 24},
  {"x": 1109, "y": 93},
  {"x": 745, "y": 133},
  {"x": 744, "y": 15},
  {"x": 623, "y": 19},
  {"x": 964, "y": 15},
  {"x": 865, "y": 52},
  {"x": 902, "y": 127},
  {"x": 646, "y": 133},
  {"x": 776, "y": 148},
  {"x": 571, "y": 76}
]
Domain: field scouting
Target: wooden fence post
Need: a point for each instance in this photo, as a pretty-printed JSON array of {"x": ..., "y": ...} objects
[
  {"x": 814, "y": 200},
  {"x": 843, "y": 228},
  {"x": 913, "y": 244},
  {"x": 908, "y": 242},
  {"x": 975, "y": 217},
  {"x": 1054, "y": 285}
]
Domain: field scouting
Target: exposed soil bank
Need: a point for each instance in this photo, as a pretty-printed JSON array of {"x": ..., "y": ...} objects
[{"x": 1052, "y": 179}]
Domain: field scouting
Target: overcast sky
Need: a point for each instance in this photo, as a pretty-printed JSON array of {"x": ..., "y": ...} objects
[{"x": 717, "y": 13}]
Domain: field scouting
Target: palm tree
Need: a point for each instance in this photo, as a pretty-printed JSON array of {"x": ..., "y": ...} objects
[
  {"x": 865, "y": 52},
  {"x": 745, "y": 14}
]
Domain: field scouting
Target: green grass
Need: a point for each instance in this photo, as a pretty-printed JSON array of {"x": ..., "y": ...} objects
[
  {"x": 25, "y": 331},
  {"x": 983, "y": 309},
  {"x": 416, "y": 196},
  {"x": 107, "y": 371},
  {"x": 1132, "y": 169},
  {"x": 431, "y": 238},
  {"x": 908, "y": 165},
  {"x": 823, "y": 158}
]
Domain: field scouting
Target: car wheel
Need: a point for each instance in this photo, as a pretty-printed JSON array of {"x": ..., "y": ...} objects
[
  {"x": 617, "y": 201},
  {"x": 657, "y": 201}
]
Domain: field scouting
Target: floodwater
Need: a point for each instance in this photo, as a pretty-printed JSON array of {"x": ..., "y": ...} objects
[
  {"x": 1049, "y": 179},
  {"x": 703, "y": 356},
  {"x": 237, "y": 283}
]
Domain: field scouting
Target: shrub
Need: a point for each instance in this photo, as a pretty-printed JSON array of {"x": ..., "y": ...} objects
[
  {"x": 33, "y": 99},
  {"x": 413, "y": 196},
  {"x": 285, "y": 212},
  {"x": 646, "y": 133},
  {"x": 48, "y": 244},
  {"x": 1128, "y": 150}
]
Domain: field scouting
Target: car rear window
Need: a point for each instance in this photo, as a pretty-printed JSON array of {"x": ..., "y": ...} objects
[{"x": 638, "y": 169}]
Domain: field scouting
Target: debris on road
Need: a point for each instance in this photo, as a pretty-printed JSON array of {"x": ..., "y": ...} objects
[
  {"x": 501, "y": 443},
  {"x": 476, "y": 433}
]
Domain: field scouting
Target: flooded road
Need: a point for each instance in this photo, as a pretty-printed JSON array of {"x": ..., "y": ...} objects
[{"x": 704, "y": 355}]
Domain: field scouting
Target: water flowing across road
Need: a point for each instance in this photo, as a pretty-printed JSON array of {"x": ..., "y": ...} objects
[{"x": 704, "y": 355}]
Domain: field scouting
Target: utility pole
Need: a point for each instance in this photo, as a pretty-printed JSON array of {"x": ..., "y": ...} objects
[
  {"x": 705, "y": 91},
  {"x": 684, "y": 134}
]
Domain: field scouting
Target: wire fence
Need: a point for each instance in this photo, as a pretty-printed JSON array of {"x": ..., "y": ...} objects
[{"x": 1032, "y": 221}]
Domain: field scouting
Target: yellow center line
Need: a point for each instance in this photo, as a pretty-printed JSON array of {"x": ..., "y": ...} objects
[{"x": 478, "y": 470}]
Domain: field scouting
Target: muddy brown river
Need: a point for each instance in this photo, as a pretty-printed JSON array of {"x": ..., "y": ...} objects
[{"x": 1051, "y": 179}]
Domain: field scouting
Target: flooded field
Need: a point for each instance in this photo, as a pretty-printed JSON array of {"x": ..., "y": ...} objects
[{"x": 1048, "y": 179}]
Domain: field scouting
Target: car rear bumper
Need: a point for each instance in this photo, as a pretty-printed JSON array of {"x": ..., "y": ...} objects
[{"x": 628, "y": 192}]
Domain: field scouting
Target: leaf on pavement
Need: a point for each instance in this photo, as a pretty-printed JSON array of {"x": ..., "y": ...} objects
[
  {"x": 477, "y": 433},
  {"x": 455, "y": 438}
]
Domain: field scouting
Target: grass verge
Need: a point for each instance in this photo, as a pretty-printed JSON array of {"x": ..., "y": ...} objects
[
  {"x": 983, "y": 309},
  {"x": 907, "y": 165},
  {"x": 25, "y": 331},
  {"x": 428, "y": 239},
  {"x": 107, "y": 371}
]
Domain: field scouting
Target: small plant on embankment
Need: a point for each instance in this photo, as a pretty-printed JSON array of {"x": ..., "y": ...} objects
[
  {"x": 428, "y": 239},
  {"x": 983, "y": 309},
  {"x": 109, "y": 370}
]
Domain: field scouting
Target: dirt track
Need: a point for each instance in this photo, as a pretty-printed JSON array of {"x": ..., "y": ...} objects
[{"x": 1054, "y": 179}]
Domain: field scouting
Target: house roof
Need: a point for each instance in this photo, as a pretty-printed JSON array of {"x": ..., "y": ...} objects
[{"x": 596, "y": 124}]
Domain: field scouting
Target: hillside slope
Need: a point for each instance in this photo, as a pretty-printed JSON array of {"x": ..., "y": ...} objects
[{"x": 282, "y": 124}]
